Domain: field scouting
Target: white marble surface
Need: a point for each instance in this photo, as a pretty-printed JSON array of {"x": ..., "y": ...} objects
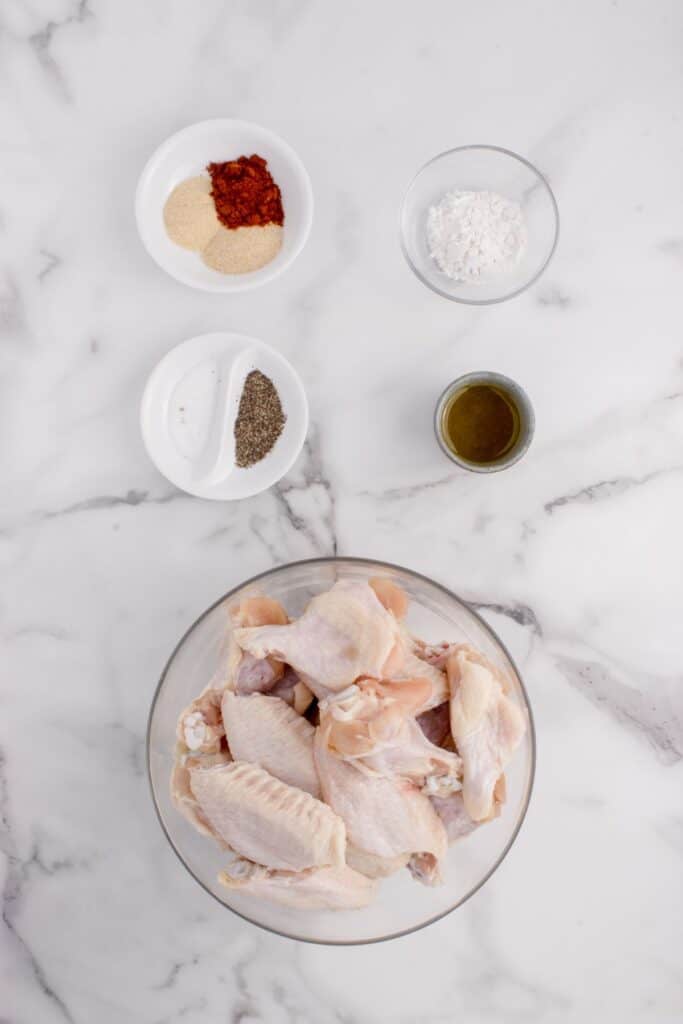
[{"x": 575, "y": 555}]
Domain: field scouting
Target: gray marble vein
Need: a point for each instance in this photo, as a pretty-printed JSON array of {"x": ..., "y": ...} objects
[
  {"x": 172, "y": 976},
  {"x": 131, "y": 498},
  {"x": 522, "y": 614},
  {"x": 52, "y": 261},
  {"x": 12, "y": 310},
  {"x": 306, "y": 498},
  {"x": 17, "y": 874},
  {"x": 413, "y": 490},
  {"x": 656, "y": 711},
  {"x": 605, "y": 489},
  {"x": 41, "y": 42}
]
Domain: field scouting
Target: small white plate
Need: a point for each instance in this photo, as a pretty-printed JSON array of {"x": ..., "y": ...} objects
[
  {"x": 189, "y": 408},
  {"x": 185, "y": 155}
]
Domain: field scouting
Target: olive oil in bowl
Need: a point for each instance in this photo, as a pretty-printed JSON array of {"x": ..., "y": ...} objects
[{"x": 484, "y": 422}]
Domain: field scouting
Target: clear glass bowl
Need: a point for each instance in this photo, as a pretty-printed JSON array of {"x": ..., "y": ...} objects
[
  {"x": 481, "y": 168},
  {"x": 402, "y": 905}
]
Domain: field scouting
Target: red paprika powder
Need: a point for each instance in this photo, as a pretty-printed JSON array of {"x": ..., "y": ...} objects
[{"x": 244, "y": 193}]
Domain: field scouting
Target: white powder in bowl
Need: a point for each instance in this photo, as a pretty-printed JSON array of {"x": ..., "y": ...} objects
[
  {"x": 473, "y": 234},
  {"x": 242, "y": 250},
  {"x": 190, "y": 215}
]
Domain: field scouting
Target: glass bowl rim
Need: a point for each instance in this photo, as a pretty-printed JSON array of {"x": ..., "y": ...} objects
[
  {"x": 508, "y": 295},
  {"x": 347, "y": 559}
]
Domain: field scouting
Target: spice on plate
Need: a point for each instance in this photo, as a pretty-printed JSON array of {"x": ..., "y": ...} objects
[
  {"x": 245, "y": 194},
  {"x": 240, "y": 250},
  {"x": 260, "y": 419},
  {"x": 234, "y": 219},
  {"x": 190, "y": 214},
  {"x": 481, "y": 423}
]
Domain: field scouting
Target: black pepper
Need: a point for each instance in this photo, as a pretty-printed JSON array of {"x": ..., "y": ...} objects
[{"x": 260, "y": 419}]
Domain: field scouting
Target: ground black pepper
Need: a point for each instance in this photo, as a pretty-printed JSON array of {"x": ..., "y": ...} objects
[{"x": 260, "y": 419}]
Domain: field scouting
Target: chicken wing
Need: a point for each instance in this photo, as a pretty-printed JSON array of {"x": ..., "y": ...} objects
[
  {"x": 200, "y": 728},
  {"x": 372, "y": 724},
  {"x": 267, "y": 732},
  {"x": 384, "y": 817},
  {"x": 343, "y": 634},
  {"x": 457, "y": 822},
  {"x": 339, "y": 888},
  {"x": 183, "y": 797},
  {"x": 244, "y": 672},
  {"x": 267, "y": 821},
  {"x": 293, "y": 691},
  {"x": 436, "y": 723},
  {"x": 372, "y": 866},
  {"x": 487, "y": 727},
  {"x": 393, "y": 597}
]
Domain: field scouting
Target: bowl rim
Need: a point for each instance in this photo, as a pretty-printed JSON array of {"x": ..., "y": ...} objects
[
  {"x": 346, "y": 559},
  {"x": 225, "y": 284},
  {"x": 508, "y": 295}
]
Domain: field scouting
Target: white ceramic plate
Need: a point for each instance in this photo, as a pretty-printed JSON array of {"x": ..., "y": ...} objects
[
  {"x": 185, "y": 155},
  {"x": 189, "y": 407}
]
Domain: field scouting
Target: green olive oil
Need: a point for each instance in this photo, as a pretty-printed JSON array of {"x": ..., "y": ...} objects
[{"x": 481, "y": 423}]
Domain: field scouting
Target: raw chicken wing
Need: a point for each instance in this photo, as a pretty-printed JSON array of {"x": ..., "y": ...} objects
[
  {"x": 393, "y": 597},
  {"x": 183, "y": 797},
  {"x": 259, "y": 611},
  {"x": 266, "y": 820},
  {"x": 343, "y": 634},
  {"x": 339, "y": 888},
  {"x": 436, "y": 723},
  {"x": 451, "y": 810},
  {"x": 385, "y": 817},
  {"x": 268, "y": 732},
  {"x": 200, "y": 728},
  {"x": 245, "y": 673},
  {"x": 372, "y": 866},
  {"x": 372, "y": 724},
  {"x": 293, "y": 691},
  {"x": 407, "y": 663},
  {"x": 487, "y": 727}
]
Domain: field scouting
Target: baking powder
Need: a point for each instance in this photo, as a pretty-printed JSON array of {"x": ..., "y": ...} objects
[{"x": 473, "y": 234}]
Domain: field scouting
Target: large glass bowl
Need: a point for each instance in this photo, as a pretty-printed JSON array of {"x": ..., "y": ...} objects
[
  {"x": 481, "y": 169},
  {"x": 402, "y": 905}
]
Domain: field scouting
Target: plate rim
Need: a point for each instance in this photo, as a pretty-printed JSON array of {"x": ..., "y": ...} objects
[
  {"x": 228, "y": 283},
  {"x": 157, "y": 371}
]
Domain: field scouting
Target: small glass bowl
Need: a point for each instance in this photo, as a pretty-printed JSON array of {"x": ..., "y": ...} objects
[
  {"x": 481, "y": 168},
  {"x": 402, "y": 905}
]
